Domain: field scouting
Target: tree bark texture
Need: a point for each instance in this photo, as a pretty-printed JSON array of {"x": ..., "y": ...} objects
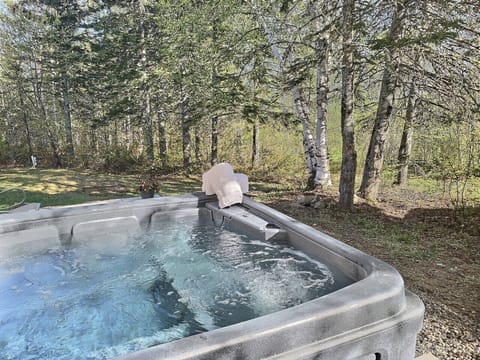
[
  {"x": 407, "y": 139},
  {"x": 148, "y": 127},
  {"x": 349, "y": 154},
  {"x": 127, "y": 132},
  {"x": 374, "y": 161},
  {"x": 147, "y": 112},
  {"x": 214, "y": 118},
  {"x": 198, "y": 144},
  {"x": 255, "y": 143},
  {"x": 186, "y": 143},
  {"x": 115, "y": 133},
  {"x": 308, "y": 143},
  {"x": 322, "y": 174},
  {"x": 42, "y": 104},
  {"x": 25, "y": 120},
  {"x": 67, "y": 119},
  {"x": 214, "y": 141},
  {"x": 162, "y": 138},
  {"x": 10, "y": 133}
]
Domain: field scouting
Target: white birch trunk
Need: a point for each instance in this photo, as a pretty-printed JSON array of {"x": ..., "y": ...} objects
[
  {"x": 322, "y": 174},
  {"x": 300, "y": 103},
  {"x": 308, "y": 141}
]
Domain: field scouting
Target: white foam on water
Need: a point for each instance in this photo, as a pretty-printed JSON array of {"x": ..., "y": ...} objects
[{"x": 161, "y": 286}]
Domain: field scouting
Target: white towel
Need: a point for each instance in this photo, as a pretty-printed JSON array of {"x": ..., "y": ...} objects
[{"x": 222, "y": 181}]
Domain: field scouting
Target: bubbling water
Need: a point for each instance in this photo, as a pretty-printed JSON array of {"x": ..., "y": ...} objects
[{"x": 71, "y": 303}]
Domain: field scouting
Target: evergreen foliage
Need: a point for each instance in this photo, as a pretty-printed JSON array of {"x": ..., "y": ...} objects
[{"x": 117, "y": 85}]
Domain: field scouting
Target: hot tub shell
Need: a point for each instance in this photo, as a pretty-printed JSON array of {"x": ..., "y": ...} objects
[{"x": 373, "y": 318}]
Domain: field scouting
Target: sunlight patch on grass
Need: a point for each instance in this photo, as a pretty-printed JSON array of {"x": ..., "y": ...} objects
[
  {"x": 52, "y": 187},
  {"x": 49, "y": 188}
]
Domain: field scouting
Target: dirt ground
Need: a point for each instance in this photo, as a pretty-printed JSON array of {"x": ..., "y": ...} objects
[{"x": 436, "y": 250}]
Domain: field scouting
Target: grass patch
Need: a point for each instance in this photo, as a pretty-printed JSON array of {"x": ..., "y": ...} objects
[
  {"x": 367, "y": 224},
  {"x": 11, "y": 197},
  {"x": 55, "y": 187},
  {"x": 404, "y": 238},
  {"x": 412, "y": 252}
]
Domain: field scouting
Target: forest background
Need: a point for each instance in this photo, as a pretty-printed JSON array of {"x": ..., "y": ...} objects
[
  {"x": 120, "y": 85},
  {"x": 97, "y": 88}
]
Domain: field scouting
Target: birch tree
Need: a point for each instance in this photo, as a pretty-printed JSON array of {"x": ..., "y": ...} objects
[
  {"x": 301, "y": 106},
  {"x": 321, "y": 19}
]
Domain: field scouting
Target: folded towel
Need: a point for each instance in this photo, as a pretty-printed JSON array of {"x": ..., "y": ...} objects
[{"x": 228, "y": 187}]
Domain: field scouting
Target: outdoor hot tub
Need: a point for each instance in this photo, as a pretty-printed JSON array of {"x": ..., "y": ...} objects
[{"x": 179, "y": 278}]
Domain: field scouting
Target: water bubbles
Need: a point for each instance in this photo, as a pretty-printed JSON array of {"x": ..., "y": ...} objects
[{"x": 173, "y": 282}]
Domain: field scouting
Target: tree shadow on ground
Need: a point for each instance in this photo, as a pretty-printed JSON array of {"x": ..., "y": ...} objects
[
  {"x": 69, "y": 197},
  {"x": 178, "y": 185},
  {"x": 466, "y": 219}
]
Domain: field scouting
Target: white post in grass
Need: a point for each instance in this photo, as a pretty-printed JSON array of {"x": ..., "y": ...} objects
[{"x": 34, "y": 161}]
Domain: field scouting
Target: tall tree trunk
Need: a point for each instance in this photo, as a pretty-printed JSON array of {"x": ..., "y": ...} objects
[
  {"x": 214, "y": 130},
  {"x": 255, "y": 143},
  {"x": 407, "y": 138},
  {"x": 25, "y": 120},
  {"x": 42, "y": 104},
  {"x": 238, "y": 144},
  {"x": 349, "y": 154},
  {"x": 214, "y": 118},
  {"x": 147, "y": 112},
  {"x": 214, "y": 141},
  {"x": 57, "y": 162},
  {"x": 93, "y": 136},
  {"x": 186, "y": 146},
  {"x": 126, "y": 132},
  {"x": 374, "y": 160},
  {"x": 321, "y": 17},
  {"x": 67, "y": 119},
  {"x": 322, "y": 174},
  {"x": 162, "y": 137},
  {"x": 198, "y": 142},
  {"x": 10, "y": 134},
  {"x": 148, "y": 127},
  {"x": 106, "y": 138},
  {"x": 115, "y": 133},
  {"x": 308, "y": 142}
]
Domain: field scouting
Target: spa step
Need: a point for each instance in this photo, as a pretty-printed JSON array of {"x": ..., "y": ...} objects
[{"x": 238, "y": 216}]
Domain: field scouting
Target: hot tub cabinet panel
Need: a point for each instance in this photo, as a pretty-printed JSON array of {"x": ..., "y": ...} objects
[{"x": 373, "y": 318}]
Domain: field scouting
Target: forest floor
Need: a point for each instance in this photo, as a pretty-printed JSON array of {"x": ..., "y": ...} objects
[{"x": 436, "y": 250}]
